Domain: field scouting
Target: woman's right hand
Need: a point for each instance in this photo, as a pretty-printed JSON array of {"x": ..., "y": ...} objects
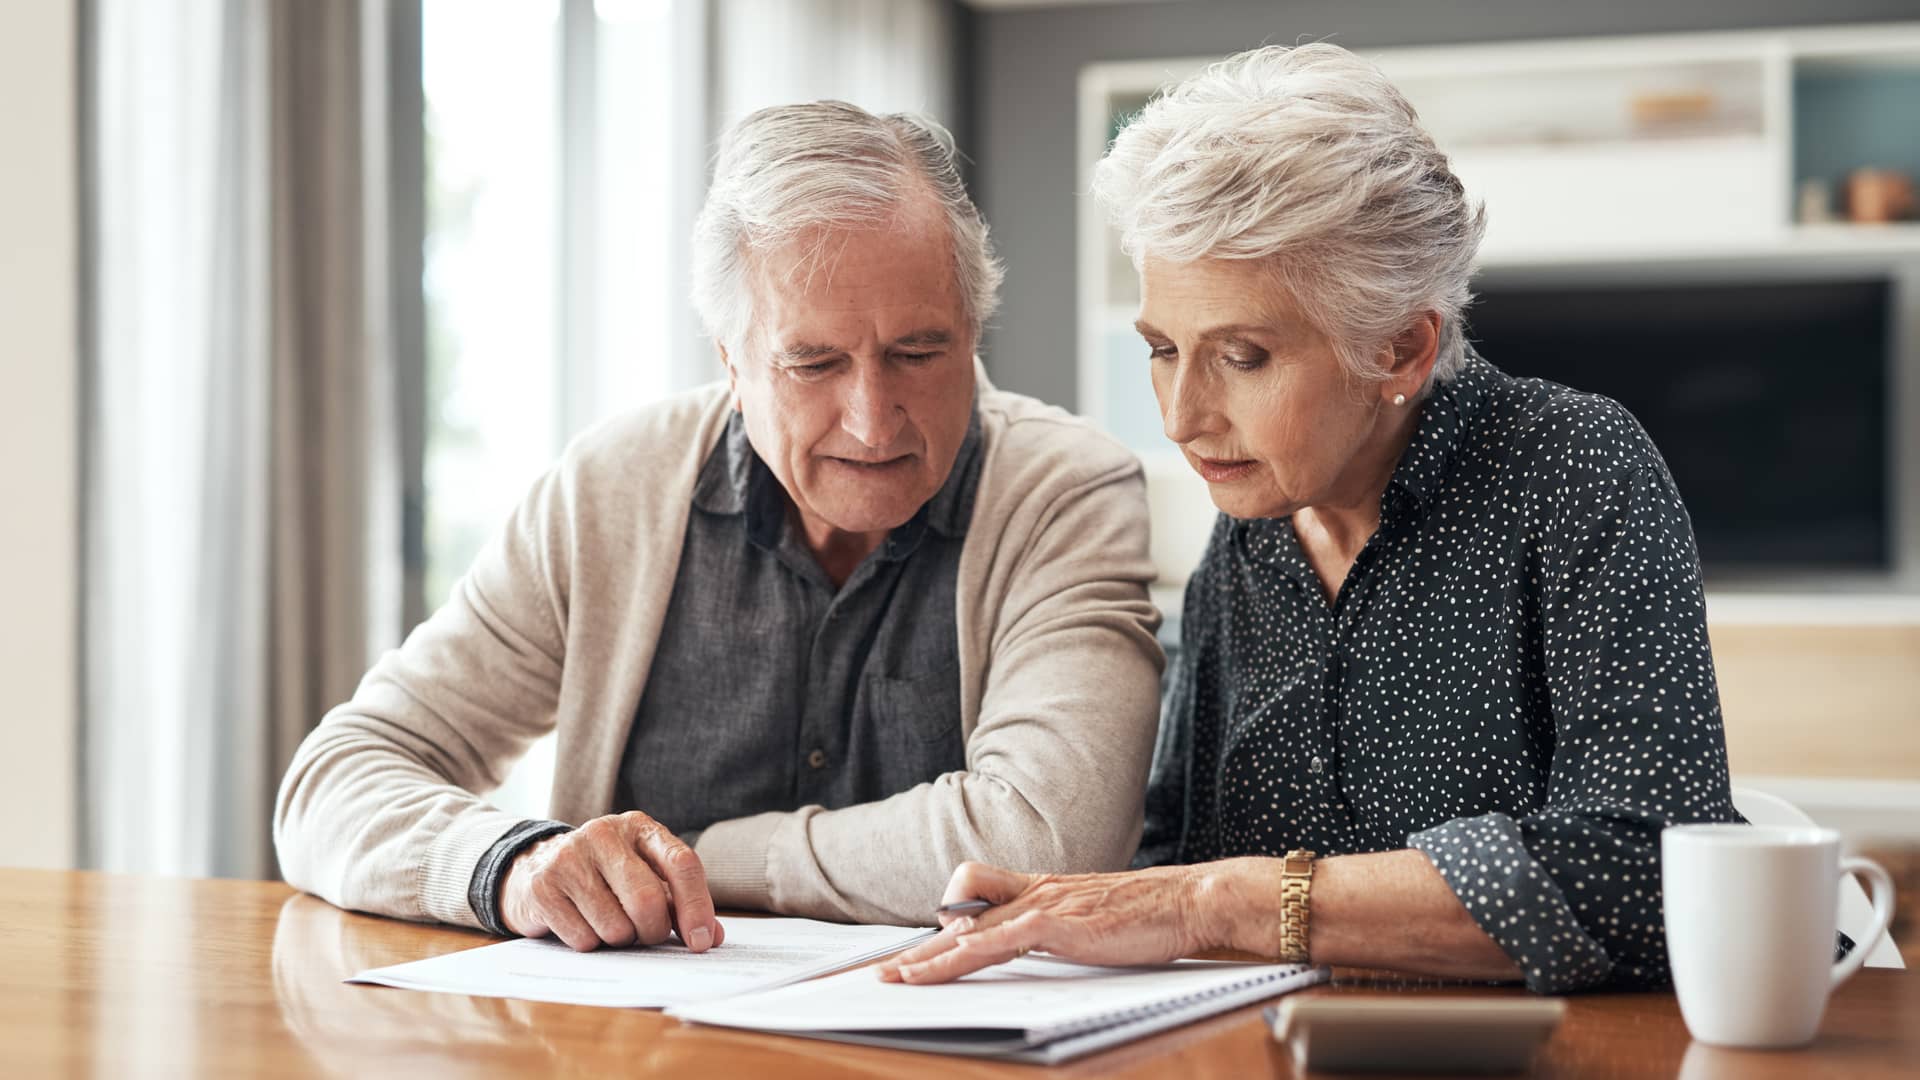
[{"x": 1133, "y": 917}]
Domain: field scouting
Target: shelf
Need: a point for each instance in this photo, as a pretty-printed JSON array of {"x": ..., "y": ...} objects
[
  {"x": 1787, "y": 242},
  {"x": 1628, "y": 101},
  {"x": 1897, "y": 236},
  {"x": 1734, "y": 608}
]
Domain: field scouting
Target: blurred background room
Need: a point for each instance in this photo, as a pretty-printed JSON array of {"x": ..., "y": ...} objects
[{"x": 300, "y": 295}]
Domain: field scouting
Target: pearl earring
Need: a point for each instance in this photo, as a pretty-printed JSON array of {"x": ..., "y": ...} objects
[{"x": 1399, "y": 399}]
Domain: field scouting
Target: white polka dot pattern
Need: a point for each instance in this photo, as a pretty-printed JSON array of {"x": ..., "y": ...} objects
[{"x": 1514, "y": 678}]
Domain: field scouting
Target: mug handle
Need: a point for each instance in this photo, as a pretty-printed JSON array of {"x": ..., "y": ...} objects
[{"x": 1882, "y": 889}]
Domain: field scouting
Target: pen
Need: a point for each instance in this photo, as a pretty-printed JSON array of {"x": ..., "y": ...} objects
[{"x": 963, "y": 907}]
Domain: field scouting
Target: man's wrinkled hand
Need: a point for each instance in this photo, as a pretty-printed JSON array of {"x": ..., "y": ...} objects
[{"x": 623, "y": 879}]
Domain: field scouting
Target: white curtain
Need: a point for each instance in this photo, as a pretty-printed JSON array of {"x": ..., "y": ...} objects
[
  {"x": 241, "y": 509},
  {"x": 882, "y": 55}
]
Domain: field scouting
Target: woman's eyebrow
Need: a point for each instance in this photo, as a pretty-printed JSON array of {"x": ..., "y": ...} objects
[{"x": 1230, "y": 332}]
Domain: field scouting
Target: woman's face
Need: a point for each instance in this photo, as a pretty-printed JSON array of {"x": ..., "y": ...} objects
[{"x": 1253, "y": 393}]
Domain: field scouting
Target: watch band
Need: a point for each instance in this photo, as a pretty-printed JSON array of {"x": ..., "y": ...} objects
[{"x": 1296, "y": 883}]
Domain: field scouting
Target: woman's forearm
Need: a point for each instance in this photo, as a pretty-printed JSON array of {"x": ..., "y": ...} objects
[{"x": 1390, "y": 910}]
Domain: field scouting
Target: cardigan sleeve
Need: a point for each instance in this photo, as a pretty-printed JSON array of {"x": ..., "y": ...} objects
[
  {"x": 1572, "y": 891},
  {"x": 377, "y": 811}
]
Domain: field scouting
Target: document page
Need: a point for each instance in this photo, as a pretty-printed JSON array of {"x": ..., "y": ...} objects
[
  {"x": 1036, "y": 995},
  {"x": 758, "y": 953}
]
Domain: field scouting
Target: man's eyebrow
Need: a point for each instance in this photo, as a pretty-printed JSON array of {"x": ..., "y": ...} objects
[
  {"x": 801, "y": 352},
  {"x": 924, "y": 338}
]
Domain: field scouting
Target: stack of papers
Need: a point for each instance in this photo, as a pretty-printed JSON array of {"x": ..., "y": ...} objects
[
  {"x": 778, "y": 975},
  {"x": 759, "y": 953},
  {"x": 1037, "y": 1008}
]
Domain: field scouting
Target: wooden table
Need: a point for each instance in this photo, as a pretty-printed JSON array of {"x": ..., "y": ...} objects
[{"x": 113, "y": 976}]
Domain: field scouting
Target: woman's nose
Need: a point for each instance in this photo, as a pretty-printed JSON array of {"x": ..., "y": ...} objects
[{"x": 1185, "y": 413}]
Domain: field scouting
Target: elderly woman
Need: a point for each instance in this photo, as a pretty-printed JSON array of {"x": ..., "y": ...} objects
[{"x": 1444, "y": 673}]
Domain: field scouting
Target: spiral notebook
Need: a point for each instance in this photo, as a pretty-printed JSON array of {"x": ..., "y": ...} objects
[{"x": 1037, "y": 1008}]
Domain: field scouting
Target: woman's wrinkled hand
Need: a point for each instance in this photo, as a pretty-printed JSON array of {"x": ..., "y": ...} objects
[{"x": 1135, "y": 917}]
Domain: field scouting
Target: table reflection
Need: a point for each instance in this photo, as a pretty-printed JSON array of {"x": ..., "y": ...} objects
[
  {"x": 349, "y": 1029},
  {"x": 1826, "y": 1059},
  {"x": 346, "y": 1027}
]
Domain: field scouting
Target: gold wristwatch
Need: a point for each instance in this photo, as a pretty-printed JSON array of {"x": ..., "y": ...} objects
[{"x": 1296, "y": 881}]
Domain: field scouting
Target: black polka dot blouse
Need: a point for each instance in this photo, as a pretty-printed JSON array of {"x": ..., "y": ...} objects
[{"x": 1514, "y": 678}]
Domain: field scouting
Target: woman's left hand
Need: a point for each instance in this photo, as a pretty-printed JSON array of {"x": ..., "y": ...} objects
[{"x": 1135, "y": 917}]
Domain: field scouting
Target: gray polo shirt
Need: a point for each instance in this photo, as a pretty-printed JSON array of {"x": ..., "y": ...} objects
[{"x": 772, "y": 690}]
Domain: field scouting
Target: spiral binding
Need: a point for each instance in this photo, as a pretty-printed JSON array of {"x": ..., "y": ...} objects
[{"x": 1120, "y": 1017}]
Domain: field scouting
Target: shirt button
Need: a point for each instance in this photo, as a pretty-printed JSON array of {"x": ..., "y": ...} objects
[
  {"x": 818, "y": 759},
  {"x": 1314, "y": 766}
]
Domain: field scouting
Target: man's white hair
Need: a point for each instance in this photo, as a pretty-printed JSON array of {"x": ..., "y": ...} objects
[
  {"x": 1309, "y": 160},
  {"x": 806, "y": 171}
]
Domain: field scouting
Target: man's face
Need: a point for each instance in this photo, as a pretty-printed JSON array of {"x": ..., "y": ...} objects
[{"x": 856, "y": 383}]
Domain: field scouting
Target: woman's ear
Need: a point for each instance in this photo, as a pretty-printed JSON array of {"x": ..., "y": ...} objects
[{"x": 1410, "y": 364}]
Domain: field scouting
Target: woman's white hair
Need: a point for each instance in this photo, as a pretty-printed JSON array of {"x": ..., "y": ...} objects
[
  {"x": 1307, "y": 159},
  {"x": 802, "y": 171}
]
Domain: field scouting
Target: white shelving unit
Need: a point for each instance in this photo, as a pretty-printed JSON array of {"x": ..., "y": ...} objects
[{"x": 1600, "y": 154}]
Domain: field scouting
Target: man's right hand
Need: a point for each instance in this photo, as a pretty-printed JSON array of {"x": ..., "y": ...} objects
[{"x": 616, "y": 880}]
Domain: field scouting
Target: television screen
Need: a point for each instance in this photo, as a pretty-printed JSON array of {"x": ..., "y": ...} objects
[{"x": 1769, "y": 402}]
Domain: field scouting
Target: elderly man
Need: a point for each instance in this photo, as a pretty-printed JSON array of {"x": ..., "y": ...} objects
[{"x": 810, "y": 638}]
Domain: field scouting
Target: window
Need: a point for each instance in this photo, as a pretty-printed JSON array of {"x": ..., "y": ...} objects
[{"x": 559, "y": 180}]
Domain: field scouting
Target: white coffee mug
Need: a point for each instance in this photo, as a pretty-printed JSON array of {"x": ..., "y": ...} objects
[{"x": 1751, "y": 914}]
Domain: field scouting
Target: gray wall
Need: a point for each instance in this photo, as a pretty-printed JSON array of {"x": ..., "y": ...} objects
[{"x": 1026, "y": 64}]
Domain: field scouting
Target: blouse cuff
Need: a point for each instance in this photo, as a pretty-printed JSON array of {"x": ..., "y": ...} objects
[{"x": 1486, "y": 863}]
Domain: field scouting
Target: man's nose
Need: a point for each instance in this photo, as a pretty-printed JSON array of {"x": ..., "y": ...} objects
[{"x": 872, "y": 413}]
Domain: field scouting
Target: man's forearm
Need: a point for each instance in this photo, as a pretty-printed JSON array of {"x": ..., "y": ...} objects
[{"x": 888, "y": 861}]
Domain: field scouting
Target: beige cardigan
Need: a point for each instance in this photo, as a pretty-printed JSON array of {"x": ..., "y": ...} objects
[{"x": 555, "y": 624}]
